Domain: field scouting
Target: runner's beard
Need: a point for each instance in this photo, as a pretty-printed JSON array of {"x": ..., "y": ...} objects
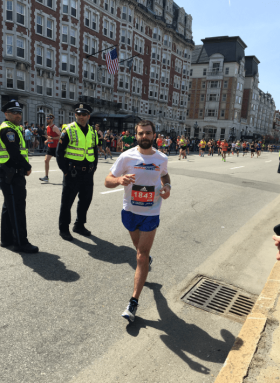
[{"x": 145, "y": 144}]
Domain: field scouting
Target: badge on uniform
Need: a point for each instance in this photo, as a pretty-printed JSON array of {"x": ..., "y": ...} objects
[{"x": 11, "y": 136}]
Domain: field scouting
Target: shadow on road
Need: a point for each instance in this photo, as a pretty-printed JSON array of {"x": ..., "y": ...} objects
[
  {"x": 49, "y": 267},
  {"x": 181, "y": 337},
  {"x": 108, "y": 252}
]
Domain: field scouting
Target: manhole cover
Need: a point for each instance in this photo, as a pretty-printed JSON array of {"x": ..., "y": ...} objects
[{"x": 220, "y": 299}]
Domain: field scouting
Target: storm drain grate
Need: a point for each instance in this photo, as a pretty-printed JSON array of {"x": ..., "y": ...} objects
[{"x": 220, "y": 299}]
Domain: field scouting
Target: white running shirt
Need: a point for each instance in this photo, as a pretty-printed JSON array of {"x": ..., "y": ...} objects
[{"x": 143, "y": 197}]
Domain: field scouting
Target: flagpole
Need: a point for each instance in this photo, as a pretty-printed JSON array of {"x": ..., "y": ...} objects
[{"x": 93, "y": 54}]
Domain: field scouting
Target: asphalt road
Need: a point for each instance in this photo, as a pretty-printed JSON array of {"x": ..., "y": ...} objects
[{"x": 61, "y": 309}]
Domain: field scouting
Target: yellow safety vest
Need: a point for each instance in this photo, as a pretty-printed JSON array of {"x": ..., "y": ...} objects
[
  {"x": 80, "y": 147},
  {"x": 4, "y": 155}
]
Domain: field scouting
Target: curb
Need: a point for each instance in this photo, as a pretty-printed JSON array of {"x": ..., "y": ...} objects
[{"x": 242, "y": 352}]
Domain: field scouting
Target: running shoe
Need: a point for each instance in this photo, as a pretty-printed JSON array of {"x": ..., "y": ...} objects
[
  {"x": 130, "y": 311},
  {"x": 44, "y": 179},
  {"x": 111, "y": 157},
  {"x": 105, "y": 157},
  {"x": 150, "y": 260}
]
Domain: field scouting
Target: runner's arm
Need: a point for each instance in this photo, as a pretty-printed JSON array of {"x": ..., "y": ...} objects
[
  {"x": 57, "y": 131},
  {"x": 166, "y": 189},
  {"x": 111, "y": 181}
]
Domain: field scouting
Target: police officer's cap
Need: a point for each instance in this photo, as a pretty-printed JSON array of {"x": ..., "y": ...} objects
[
  {"x": 82, "y": 108},
  {"x": 11, "y": 106}
]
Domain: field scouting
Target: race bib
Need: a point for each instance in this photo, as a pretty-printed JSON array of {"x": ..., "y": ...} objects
[{"x": 142, "y": 195}]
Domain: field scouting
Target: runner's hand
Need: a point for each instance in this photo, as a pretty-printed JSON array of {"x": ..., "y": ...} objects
[
  {"x": 127, "y": 179},
  {"x": 277, "y": 243},
  {"x": 164, "y": 192},
  {"x": 28, "y": 172}
]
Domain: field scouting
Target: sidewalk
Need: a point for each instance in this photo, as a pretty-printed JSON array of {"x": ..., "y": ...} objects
[{"x": 255, "y": 355}]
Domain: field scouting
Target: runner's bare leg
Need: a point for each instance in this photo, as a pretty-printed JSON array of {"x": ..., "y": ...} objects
[{"x": 143, "y": 241}]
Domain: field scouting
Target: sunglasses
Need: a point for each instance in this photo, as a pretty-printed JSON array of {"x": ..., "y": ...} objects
[
  {"x": 82, "y": 114},
  {"x": 16, "y": 112}
]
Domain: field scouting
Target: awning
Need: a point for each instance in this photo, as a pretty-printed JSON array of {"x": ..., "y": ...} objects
[{"x": 125, "y": 117}]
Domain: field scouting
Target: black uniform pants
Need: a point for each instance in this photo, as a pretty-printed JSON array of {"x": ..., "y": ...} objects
[
  {"x": 13, "y": 218},
  {"x": 82, "y": 185}
]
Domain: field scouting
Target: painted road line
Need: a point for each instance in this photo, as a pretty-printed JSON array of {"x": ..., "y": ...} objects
[
  {"x": 238, "y": 167},
  {"x": 43, "y": 171},
  {"x": 112, "y": 191},
  {"x": 268, "y": 161}
]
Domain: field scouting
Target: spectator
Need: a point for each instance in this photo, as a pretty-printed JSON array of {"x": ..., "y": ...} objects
[{"x": 28, "y": 136}]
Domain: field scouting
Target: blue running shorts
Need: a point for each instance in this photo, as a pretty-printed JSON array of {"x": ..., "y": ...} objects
[{"x": 133, "y": 221}]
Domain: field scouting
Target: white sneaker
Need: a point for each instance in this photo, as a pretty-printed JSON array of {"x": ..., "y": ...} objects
[{"x": 44, "y": 179}]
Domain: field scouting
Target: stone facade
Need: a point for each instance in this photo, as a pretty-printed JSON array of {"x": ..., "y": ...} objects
[{"x": 49, "y": 58}]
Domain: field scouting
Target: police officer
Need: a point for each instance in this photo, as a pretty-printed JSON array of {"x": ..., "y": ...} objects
[
  {"x": 77, "y": 157},
  {"x": 14, "y": 166}
]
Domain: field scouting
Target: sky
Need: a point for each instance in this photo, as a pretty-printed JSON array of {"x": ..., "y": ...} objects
[{"x": 256, "y": 22}]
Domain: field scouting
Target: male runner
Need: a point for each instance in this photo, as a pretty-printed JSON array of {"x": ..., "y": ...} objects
[
  {"x": 143, "y": 172},
  {"x": 224, "y": 146},
  {"x": 53, "y": 136}
]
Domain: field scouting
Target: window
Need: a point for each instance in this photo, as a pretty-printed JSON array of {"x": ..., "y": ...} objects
[
  {"x": 72, "y": 64},
  {"x": 85, "y": 70},
  {"x": 39, "y": 85},
  {"x": 212, "y": 97},
  {"x": 241, "y": 86},
  {"x": 10, "y": 78},
  {"x": 74, "y": 8},
  {"x": 203, "y": 84},
  {"x": 63, "y": 89},
  {"x": 105, "y": 28},
  {"x": 226, "y": 71},
  {"x": 236, "y": 99},
  {"x": 87, "y": 18},
  {"x": 213, "y": 84},
  {"x": 94, "y": 21},
  {"x": 129, "y": 15},
  {"x": 39, "y": 57},
  {"x": 64, "y": 62},
  {"x": 93, "y": 46},
  {"x": 129, "y": 38},
  {"x": 238, "y": 85},
  {"x": 211, "y": 113},
  {"x": 64, "y": 33},
  {"x": 204, "y": 71},
  {"x": 112, "y": 6},
  {"x": 9, "y": 45},
  {"x": 39, "y": 25},
  {"x": 65, "y": 6},
  {"x": 50, "y": 3},
  {"x": 106, "y": 5},
  {"x": 191, "y": 72},
  {"x": 92, "y": 72},
  {"x": 124, "y": 12},
  {"x": 49, "y": 28},
  {"x": 20, "y": 14},
  {"x": 225, "y": 84},
  {"x": 222, "y": 113},
  {"x": 49, "y": 87},
  {"x": 200, "y": 112},
  {"x": 20, "y": 80},
  {"x": 112, "y": 31},
  {"x": 240, "y": 102},
  {"x": 202, "y": 97},
  {"x": 190, "y": 85},
  {"x": 9, "y": 11},
  {"x": 20, "y": 48},
  {"x": 49, "y": 58},
  {"x": 72, "y": 91},
  {"x": 121, "y": 82},
  {"x": 72, "y": 36},
  {"x": 86, "y": 44},
  {"x": 224, "y": 97},
  {"x": 123, "y": 36}
]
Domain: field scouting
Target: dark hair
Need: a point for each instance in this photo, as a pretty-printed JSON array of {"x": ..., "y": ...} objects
[
  {"x": 145, "y": 123},
  {"x": 25, "y": 122}
]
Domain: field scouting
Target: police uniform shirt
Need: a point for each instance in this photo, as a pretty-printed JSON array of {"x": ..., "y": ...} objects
[
  {"x": 63, "y": 162},
  {"x": 12, "y": 142}
]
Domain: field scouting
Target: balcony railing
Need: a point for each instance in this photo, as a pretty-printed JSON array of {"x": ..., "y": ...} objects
[{"x": 215, "y": 73}]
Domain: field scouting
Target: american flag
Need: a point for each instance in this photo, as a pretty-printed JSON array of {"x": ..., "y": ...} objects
[{"x": 112, "y": 61}]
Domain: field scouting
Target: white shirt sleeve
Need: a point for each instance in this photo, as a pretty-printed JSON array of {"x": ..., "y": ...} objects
[
  {"x": 118, "y": 168},
  {"x": 163, "y": 168}
]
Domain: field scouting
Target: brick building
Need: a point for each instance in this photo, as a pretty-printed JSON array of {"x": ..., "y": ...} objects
[
  {"x": 224, "y": 93},
  {"x": 49, "y": 58}
]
